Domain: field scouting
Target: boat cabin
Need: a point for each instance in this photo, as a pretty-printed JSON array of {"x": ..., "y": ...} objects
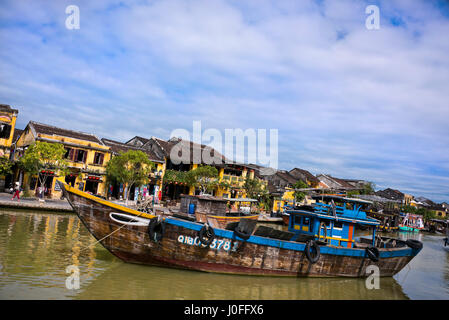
[
  {"x": 218, "y": 206},
  {"x": 331, "y": 220},
  {"x": 413, "y": 221}
]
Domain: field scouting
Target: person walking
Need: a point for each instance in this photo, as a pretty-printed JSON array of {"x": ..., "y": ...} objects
[{"x": 16, "y": 192}]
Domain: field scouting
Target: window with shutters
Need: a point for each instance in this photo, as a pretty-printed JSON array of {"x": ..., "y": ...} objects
[
  {"x": 99, "y": 158},
  {"x": 68, "y": 153},
  {"x": 80, "y": 156},
  {"x": 5, "y": 131}
]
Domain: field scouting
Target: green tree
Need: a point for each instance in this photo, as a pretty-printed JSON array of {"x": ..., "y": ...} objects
[
  {"x": 131, "y": 168},
  {"x": 5, "y": 166},
  {"x": 41, "y": 156},
  {"x": 352, "y": 193},
  {"x": 300, "y": 196},
  {"x": 408, "y": 209},
  {"x": 172, "y": 176},
  {"x": 425, "y": 213},
  {"x": 204, "y": 177},
  {"x": 368, "y": 188},
  {"x": 253, "y": 188}
]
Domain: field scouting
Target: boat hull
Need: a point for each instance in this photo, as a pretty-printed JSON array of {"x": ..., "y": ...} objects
[
  {"x": 408, "y": 229},
  {"x": 180, "y": 248}
]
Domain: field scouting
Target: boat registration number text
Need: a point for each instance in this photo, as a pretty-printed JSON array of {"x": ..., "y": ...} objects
[{"x": 217, "y": 244}]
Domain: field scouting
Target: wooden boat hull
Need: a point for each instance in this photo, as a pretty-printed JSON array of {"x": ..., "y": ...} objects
[
  {"x": 220, "y": 222},
  {"x": 180, "y": 248}
]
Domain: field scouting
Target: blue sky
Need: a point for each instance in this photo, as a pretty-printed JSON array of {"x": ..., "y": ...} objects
[{"x": 347, "y": 101}]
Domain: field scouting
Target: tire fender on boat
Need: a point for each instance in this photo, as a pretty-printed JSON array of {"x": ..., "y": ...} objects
[
  {"x": 373, "y": 253},
  {"x": 312, "y": 246},
  {"x": 242, "y": 235},
  {"x": 414, "y": 244},
  {"x": 156, "y": 229},
  {"x": 206, "y": 235}
]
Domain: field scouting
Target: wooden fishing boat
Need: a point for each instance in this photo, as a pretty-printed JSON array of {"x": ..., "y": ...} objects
[
  {"x": 411, "y": 223},
  {"x": 389, "y": 221},
  {"x": 437, "y": 226},
  {"x": 138, "y": 237},
  {"x": 215, "y": 210}
]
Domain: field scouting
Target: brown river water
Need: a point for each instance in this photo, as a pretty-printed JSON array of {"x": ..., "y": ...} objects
[{"x": 36, "y": 248}]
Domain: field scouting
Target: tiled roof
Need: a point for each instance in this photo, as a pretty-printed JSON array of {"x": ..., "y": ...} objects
[
  {"x": 40, "y": 128},
  {"x": 340, "y": 182},
  {"x": 300, "y": 173},
  {"x": 119, "y": 147},
  {"x": 287, "y": 177},
  {"x": 7, "y": 108},
  {"x": 391, "y": 194},
  {"x": 195, "y": 149},
  {"x": 141, "y": 139}
]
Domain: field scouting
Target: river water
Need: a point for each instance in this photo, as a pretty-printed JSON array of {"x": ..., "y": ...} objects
[{"x": 36, "y": 249}]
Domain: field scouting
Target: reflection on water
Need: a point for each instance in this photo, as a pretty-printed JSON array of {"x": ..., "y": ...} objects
[
  {"x": 36, "y": 248},
  {"x": 427, "y": 276}
]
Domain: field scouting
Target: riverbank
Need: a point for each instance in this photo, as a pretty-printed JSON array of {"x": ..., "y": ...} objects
[{"x": 34, "y": 204}]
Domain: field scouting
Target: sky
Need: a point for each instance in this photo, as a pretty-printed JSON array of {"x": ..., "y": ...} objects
[{"x": 346, "y": 100}]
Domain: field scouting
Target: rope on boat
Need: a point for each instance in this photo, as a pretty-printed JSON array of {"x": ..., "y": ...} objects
[{"x": 108, "y": 235}]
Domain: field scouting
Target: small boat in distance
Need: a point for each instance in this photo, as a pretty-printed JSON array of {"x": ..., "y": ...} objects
[
  {"x": 411, "y": 223},
  {"x": 389, "y": 221}
]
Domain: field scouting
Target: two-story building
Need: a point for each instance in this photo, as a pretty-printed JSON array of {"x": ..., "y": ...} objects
[
  {"x": 8, "y": 118},
  {"x": 393, "y": 194},
  {"x": 86, "y": 154},
  {"x": 154, "y": 185},
  {"x": 232, "y": 175},
  {"x": 439, "y": 210}
]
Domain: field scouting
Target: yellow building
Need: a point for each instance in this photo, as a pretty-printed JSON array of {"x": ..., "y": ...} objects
[
  {"x": 155, "y": 183},
  {"x": 8, "y": 117},
  {"x": 439, "y": 211},
  {"x": 86, "y": 154},
  {"x": 287, "y": 198},
  {"x": 234, "y": 175}
]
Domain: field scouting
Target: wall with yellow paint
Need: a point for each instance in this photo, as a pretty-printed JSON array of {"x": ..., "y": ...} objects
[
  {"x": 7, "y": 118},
  {"x": 81, "y": 170}
]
